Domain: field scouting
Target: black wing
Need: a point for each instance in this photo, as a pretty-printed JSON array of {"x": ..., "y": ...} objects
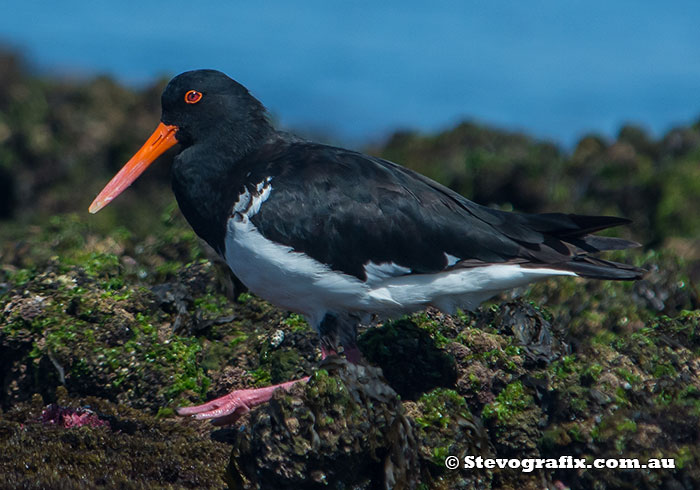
[{"x": 346, "y": 209}]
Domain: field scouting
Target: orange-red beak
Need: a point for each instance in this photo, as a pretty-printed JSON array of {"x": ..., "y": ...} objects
[{"x": 161, "y": 139}]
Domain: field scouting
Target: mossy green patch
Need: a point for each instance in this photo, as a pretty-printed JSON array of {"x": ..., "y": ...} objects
[
  {"x": 297, "y": 323},
  {"x": 437, "y": 405},
  {"x": 213, "y": 304},
  {"x": 509, "y": 402},
  {"x": 283, "y": 365},
  {"x": 261, "y": 376}
]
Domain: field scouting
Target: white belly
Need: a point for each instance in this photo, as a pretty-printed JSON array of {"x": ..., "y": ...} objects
[
  {"x": 295, "y": 281},
  {"x": 287, "y": 278}
]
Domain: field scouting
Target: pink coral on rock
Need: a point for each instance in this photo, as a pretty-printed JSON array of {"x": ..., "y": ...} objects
[{"x": 71, "y": 417}]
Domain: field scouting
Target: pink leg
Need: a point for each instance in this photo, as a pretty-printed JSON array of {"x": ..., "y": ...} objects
[{"x": 228, "y": 408}]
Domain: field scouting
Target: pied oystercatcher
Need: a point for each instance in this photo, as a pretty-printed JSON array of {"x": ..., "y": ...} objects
[{"x": 339, "y": 236}]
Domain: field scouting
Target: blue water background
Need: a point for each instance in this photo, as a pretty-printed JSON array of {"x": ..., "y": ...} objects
[{"x": 357, "y": 70}]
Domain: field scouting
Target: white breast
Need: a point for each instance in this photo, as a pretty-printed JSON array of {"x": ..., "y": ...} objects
[{"x": 289, "y": 279}]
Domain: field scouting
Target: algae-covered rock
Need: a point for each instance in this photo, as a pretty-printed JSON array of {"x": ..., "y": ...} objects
[
  {"x": 131, "y": 449},
  {"x": 444, "y": 426},
  {"x": 98, "y": 329},
  {"x": 409, "y": 357},
  {"x": 345, "y": 428}
]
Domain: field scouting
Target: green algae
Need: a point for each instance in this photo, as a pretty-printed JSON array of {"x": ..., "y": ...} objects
[
  {"x": 437, "y": 406},
  {"x": 283, "y": 365},
  {"x": 435, "y": 328},
  {"x": 445, "y": 427},
  {"x": 261, "y": 376},
  {"x": 295, "y": 322},
  {"x": 76, "y": 328},
  {"x": 509, "y": 402},
  {"x": 113, "y": 338}
]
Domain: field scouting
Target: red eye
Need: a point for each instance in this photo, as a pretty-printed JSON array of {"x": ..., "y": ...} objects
[{"x": 192, "y": 97}]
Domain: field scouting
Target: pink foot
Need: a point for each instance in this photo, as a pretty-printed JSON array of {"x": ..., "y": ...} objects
[{"x": 228, "y": 408}]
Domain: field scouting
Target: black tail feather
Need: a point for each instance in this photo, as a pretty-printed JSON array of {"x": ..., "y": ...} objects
[
  {"x": 570, "y": 240},
  {"x": 571, "y": 225},
  {"x": 595, "y": 268},
  {"x": 600, "y": 243},
  {"x": 591, "y": 224}
]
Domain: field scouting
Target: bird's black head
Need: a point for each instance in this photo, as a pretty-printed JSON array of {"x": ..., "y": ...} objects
[
  {"x": 208, "y": 105},
  {"x": 200, "y": 106}
]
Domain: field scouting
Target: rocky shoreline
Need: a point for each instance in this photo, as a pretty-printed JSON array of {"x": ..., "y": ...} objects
[{"x": 108, "y": 323}]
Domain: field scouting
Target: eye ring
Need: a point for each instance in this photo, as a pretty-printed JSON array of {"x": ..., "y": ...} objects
[{"x": 192, "y": 97}]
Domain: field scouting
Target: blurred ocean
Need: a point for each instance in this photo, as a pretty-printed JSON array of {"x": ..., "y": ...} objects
[{"x": 355, "y": 71}]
